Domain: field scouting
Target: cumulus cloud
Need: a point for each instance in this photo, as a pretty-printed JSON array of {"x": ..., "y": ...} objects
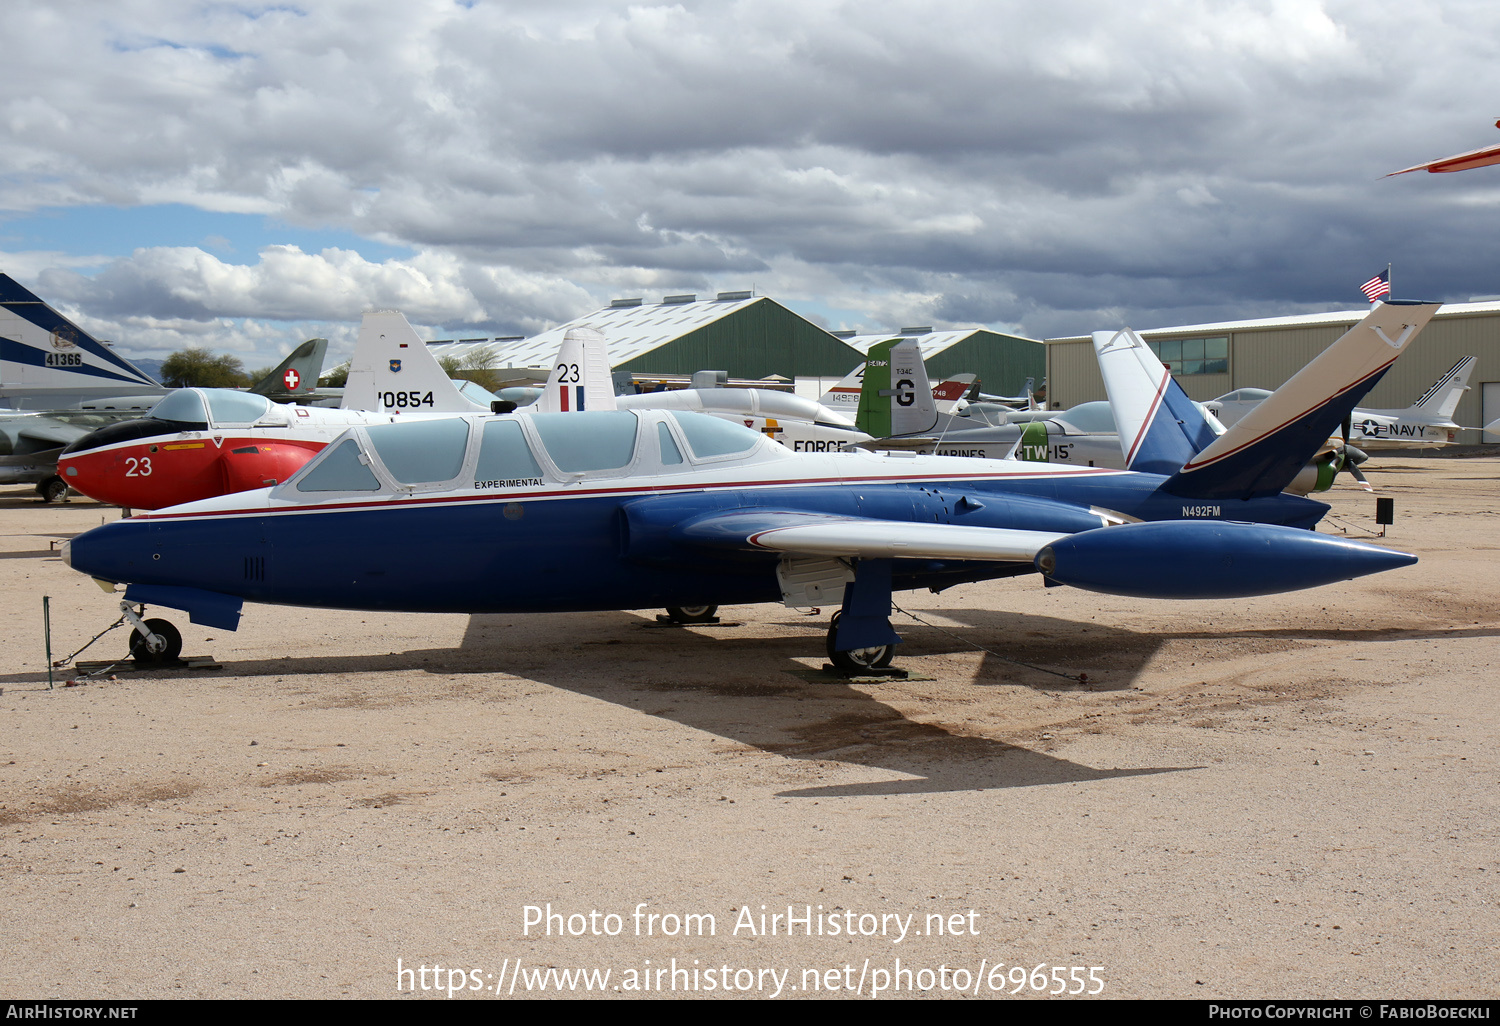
[{"x": 1034, "y": 167}]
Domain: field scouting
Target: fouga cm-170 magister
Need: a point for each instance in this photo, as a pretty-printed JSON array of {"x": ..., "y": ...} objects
[{"x": 632, "y": 509}]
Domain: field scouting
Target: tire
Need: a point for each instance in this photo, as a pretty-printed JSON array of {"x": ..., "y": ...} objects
[
  {"x": 859, "y": 659},
  {"x": 54, "y": 489},
  {"x": 164, "y": 629},
  {"x": 691, "y": 614}
]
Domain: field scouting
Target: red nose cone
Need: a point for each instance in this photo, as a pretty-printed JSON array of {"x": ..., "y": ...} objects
[{"x": 164, "y": 472}]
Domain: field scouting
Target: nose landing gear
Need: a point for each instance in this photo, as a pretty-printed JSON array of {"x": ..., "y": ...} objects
[{"x": 154, "y": 642}]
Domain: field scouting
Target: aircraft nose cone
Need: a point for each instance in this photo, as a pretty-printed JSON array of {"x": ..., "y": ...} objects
[{"x": 1375, "y": 559}]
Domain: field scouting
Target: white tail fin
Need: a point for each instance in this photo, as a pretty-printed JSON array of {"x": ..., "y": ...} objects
[
  {"x": 392, "y": 371},
  {"x": 580, "y": 378},
  {"x": 844, "y": 395},
  {"x": 1160, "y": 428},
  {"x": 1442, "y": 398}
]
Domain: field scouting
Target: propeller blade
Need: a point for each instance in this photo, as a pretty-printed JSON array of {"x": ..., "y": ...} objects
[{"x": 1358, "y": 475}]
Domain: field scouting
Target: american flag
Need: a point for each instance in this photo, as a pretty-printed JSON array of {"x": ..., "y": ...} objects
[{"x": 1378, "y": 286}]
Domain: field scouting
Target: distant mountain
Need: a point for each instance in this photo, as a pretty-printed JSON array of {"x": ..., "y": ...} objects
[{"x": 151, "y": 367}]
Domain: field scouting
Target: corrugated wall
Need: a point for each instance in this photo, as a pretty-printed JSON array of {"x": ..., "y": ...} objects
[
  {"x": 756, "y": 341},
  {"x": 1072, "y": 375},
  {"x": 1267, "y": 357}
]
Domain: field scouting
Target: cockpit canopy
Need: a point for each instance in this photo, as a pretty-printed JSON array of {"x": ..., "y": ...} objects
[
  {"x": 1244, "y": 395},
  {"x": 519, "y": 451},
  {"x": 199, "y": 409},
  {"x": 189, "y": 409},
  {"x": 1091, "y": 418}
]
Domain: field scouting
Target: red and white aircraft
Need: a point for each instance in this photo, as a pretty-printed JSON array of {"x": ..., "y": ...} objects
[{"x": 201, "y": 442}]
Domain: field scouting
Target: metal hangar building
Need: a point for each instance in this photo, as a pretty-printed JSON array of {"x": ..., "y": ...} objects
[
  {"x": 749, "y": 336},
  {"x": 1209, "y": 360},
  {"x": 1003, "y": 362}
]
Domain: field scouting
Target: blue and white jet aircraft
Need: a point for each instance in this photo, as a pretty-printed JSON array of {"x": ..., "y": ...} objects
[{"x": 629, "y": 509}]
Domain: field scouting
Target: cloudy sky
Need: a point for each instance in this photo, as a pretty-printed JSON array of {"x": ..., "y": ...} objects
[{"x": 244, "y": 175}]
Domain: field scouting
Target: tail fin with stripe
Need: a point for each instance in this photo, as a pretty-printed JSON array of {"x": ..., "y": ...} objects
[
  {"x": 895, "y": 396},
  {"x": 1266, "y": 448},
  {"x": 1160, "y": 427},
  {"x": 1442, "y": 398},
  {"x": 580, "y": 378}
]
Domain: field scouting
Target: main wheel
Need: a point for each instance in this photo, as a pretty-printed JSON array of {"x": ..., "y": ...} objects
[
  {"x": 691, "y": 614},
  {"x": 54, "y": 489},
  {"x": 857, "y": 659},
  {"x": 141, "y": 652}
]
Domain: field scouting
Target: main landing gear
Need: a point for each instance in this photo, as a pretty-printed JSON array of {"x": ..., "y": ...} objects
[
  {"x": 692, "y": 614},
  {"x": 856, "y": 660},
  {"x": 54, "y": 489},
  {"x": 860, "y": 637}
]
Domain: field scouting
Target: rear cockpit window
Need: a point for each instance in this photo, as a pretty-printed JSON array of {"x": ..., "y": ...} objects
[
  {"x": 582, "y": 442},
  {"x": 184, "y": 406},
  {"x": 422, "y": 451},
  {"x": 504, "y": 454},
  {"x": 710, "y": 436},
  {"x": 338, "y": 469},
  {"x": 229, "y": 408}
]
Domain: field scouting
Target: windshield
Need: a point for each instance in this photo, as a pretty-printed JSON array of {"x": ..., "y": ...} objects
[
  {"x": 710, "y": 436},
  {"x": 339, "y": 468},
  {"x": 183, "y": 406}
]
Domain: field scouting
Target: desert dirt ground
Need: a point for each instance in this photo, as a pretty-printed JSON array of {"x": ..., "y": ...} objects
[{"x": 1292, "y": 796}]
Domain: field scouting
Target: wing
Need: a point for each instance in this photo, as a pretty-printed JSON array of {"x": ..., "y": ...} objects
[
  {"x": 46, "y": 433},
  {"x": 1458, "y": 162},
  {"x": 816, "y": 534}
]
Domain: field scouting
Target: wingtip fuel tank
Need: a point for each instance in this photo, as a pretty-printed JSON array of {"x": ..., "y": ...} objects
[{"x": 1209, "y": 560}]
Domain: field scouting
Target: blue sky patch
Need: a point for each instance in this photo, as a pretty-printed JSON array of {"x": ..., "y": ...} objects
[{"x": 112, "y": 232}]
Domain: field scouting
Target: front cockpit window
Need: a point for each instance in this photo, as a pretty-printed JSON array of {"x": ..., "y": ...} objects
[
  {"x": 580, "y": 443},
  {"x": 711, "y": 436},
  {"x": 421, "y": 451},
  {"x": 228, "y": 408},
  {"x": 182, "y": 406},
  {"x": 339, "y": 468}
]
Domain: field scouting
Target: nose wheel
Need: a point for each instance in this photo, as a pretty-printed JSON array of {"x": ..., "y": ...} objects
[
  {"x": 154, "y": 642},
  {"x": 162, "y": 645}
]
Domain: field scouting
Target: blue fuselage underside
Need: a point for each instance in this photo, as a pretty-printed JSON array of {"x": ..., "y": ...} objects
[{"x": 518, "y": 554}]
